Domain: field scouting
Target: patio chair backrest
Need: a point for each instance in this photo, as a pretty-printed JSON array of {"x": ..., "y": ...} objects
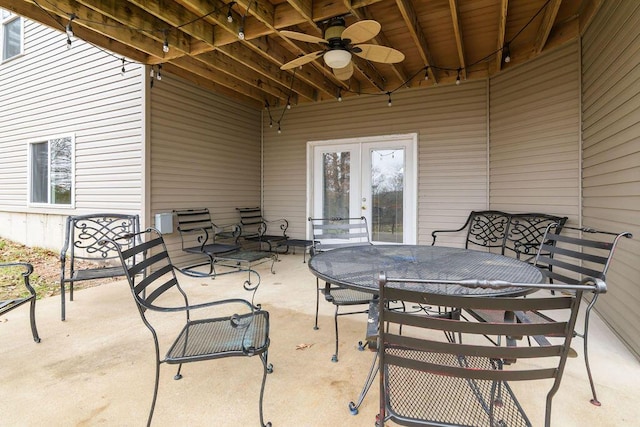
[
  {"x": 196, "y": 227},
  {"x": 332, "y": 233},
  {"x": 428, "y": 375},
  {"x": 526, "y": 231}
]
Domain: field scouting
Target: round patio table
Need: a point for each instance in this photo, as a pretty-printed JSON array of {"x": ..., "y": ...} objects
[{"x": 357, "y": 267}]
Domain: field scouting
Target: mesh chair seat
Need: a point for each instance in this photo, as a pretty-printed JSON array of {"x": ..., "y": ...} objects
[
  {"x": 215, "y": 248},
  {"x": 474, "y": 402},
  {"x": 346, "y": 296},
  {"x": 213, "y": 338}
]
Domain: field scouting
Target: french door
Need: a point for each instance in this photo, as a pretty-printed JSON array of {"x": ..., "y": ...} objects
[{"x": 372, "y": 177}]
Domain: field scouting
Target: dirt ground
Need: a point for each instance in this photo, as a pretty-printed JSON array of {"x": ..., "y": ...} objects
[{"x": 46, "y": 271}]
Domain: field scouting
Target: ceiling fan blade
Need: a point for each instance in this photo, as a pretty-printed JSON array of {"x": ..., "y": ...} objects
[
  {"x": 302, "y": 37},
  {"x": 302, "y": 60},
  {"x": 344, "y": 73},
  {"x": 376, "y": 53},
  {"x": 361, "y": 31}
]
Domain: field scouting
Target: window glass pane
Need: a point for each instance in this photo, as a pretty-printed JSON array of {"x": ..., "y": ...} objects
[
  {"x": 60, "y": 171},
  {"x": 39, "y": 172},
  {"x": 11, "y": 39},
  {"x": 387, "y": 184},
  {"x": 337, "y": 169}
]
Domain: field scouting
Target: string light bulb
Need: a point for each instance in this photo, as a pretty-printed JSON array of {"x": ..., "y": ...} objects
[
  {"x": 458, "y": 77},
  {"x": 229, "y": 15},
  {"x": 506, "y": 53},
  {"x": 241, "y": 33},
  {"x": 426, "y": 73},
  {"x": 152, "y": 73},
  {"x": 69, "y": 30},
  {"x": 339, "y": 95},
  {"x": 279, "y": 129},
  {"x": 165, "y": 45},
  {"x": 159, "y": 73},
  {"x": 389, "y": 95},
  {"x": 288, "y": 105},
  {"x": 122, "y": 70}
]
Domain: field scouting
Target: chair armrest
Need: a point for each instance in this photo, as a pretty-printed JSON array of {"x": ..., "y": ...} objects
[
  {"x": 434, "y": 233},
  {"x": 28, "y": 269},
  {"x": 179, "y": 308},
  {"x": 281, "y": 223}
]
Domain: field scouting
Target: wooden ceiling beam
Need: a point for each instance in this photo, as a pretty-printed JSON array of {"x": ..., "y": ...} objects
[
  {"x": 305, "y": 9},
  {"x": 29, "y": 10},
  {"x": 414, "y": 28},
  {"x": 363, "y": 14},
  {"x": 109, "y": 27},
  {"x": 457, "y": 32},
  {"x": 548, "y": 19},
  {"x": 502, "y": 30},
  {"x": 138, "y": 19},
  {"x": 177, "y": 16}
]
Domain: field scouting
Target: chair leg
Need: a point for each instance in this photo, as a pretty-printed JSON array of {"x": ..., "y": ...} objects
[
  {"x": 178, "y": 375},
  {"x": 267, "y": 369},
  {"x": 595, "y": 400},
  {"x": 62, "y": 302},
  {"x": 155, "y": 390},
  {"x": 315, "y": 326},
  {"x": 34, "y": 330},
  {"x": 334, "y": 358}
]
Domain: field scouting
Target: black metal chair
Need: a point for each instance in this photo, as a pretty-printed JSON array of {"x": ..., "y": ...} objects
[
  {"x": 82, "y": 244},
  {"x": 200, "y": 236},
  {"x": 256, "y": 229},
  {"x": 332, "y": 233},
  {"x": 213, "y": 335},
  {"x": 430, "y": 378},
  {"x": 565, "y": 259},
  {"x": 15, "y": 268}
]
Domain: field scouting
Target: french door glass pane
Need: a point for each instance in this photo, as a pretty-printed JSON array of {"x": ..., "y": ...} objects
[
  {"x": 336, "y": 173},
  {"x": 387, "y": 184}
]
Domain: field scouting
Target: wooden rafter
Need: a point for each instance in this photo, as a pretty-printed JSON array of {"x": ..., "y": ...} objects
[
  {"x": 414, "y": 28},
  {"x": 548, "y": 18},
  {"x": 457, "y": 32},
  {"x": 502, "y": 30}
]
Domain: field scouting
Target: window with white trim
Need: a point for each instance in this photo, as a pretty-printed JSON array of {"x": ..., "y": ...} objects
[
  {"x": 10, "y": 34},
  {"x": 51, "y": 171}
]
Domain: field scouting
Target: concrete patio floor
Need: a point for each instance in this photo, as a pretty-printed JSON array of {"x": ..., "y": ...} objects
[{"x": 97, "y": 367}]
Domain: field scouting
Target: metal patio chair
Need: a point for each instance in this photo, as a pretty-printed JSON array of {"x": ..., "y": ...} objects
[
  {"x": 428, "y": 377},
  {"x": 332, "y": 233},
  {"x": 82, "y": 243},
  {"x": 565, "y": 259},
  {"x": 215, "y": 333},
  {"x": 256, "y": 229},
  {"x": 14, "y": 268}
]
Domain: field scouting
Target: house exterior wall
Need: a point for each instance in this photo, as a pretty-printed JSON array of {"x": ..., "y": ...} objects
[
  {"x": 452, "y": 150},
  {"x": 534, "y": 125},
  {"x": 48, "y": 92},
  {"x": 205, "y": 152},
  {"x": 611, "y": 154}
]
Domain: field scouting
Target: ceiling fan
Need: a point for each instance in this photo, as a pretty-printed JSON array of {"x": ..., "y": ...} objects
[{"x": 340, "y": 42}]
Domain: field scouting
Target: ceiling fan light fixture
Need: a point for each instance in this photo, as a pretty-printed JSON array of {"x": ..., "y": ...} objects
[{"x": 337, "y": 58}]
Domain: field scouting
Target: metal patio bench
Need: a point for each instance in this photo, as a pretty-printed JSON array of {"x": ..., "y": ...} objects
[
  {"x": 84, "y": 255},
  {"x": 218, "y": 244},
  {"x": 10, "y": 269}
]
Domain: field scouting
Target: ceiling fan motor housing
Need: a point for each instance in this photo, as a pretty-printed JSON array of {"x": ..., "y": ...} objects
[{"x": 334, "y": 30}]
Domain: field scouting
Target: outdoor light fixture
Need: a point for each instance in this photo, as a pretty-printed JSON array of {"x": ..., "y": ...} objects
[{"x": 337, "y": 58}]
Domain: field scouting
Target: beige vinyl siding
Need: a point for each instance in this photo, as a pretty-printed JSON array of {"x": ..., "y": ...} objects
[
  {"x": 51, "y": 92},
  {"x": 611, "y": 154},
  {"x": 452, "y": 149},
  {"x": 534, "y": 131},
  {"x": 205, "y": 152}
]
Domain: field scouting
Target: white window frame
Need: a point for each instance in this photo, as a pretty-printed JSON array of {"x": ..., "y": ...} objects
[
  {"x": 4, "y": 21},
  {"x": 30, "y": 166}
]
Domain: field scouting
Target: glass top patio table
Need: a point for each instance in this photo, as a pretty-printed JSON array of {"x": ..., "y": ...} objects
[{"x": 357, "y": 267}]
